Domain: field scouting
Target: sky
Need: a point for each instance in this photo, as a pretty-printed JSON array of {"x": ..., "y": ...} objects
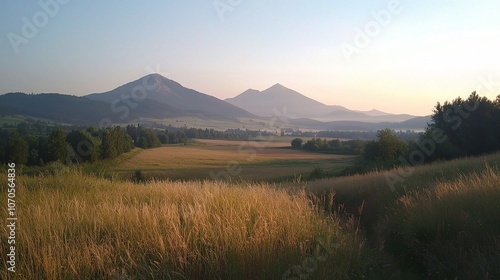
[{"x": 395, "y": 56}]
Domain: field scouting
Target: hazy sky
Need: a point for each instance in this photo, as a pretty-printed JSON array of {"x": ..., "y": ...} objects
[{"x": 396, "y": 56}]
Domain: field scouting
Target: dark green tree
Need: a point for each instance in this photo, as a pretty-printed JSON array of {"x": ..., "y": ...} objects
[
  {"x": 86, "y": 146},
  {"x": 108, "y": 147},
  {"x": 57, "y": 147},
  {"x": 17, "y": 149},
  {"x": 4, "y": 137},
  {"x": 296, "y": 143},
  {"x": 163, "y": 136},
  {"x": 115, "y": 141},
  {"x": 471, "y": 126},
  {"x": 132, "y": 132},
  {"x": 388, "y": 147},
  {"x": 152, "y": 139},
  {"x": 335, "y": 144}
]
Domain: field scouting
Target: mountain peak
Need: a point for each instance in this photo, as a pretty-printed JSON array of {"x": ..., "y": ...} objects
[
  {"x": 276, "y": 97},
  {"x": 278, "y": 86},
  {"x": 247, "y": 96},
  {"x": 251, "y": 90},
  {"x": 157, "y": 77},
  {"x": 375, "y": 113},
  {"x": 156, "y": 88}
]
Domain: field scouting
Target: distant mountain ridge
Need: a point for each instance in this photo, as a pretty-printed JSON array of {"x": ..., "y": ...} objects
[
  {"x": 263, "y": 103},
  {"x": 155, "y": 87},
  {"x": 78, "y": 110},
  {"x": 418, "y": 124},
  {"x": 154, "y": 97}
]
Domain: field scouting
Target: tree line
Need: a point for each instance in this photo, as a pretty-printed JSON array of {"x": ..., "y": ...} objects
[
  {"x": 353, "y": 147},
  {"x": 368, "y": 135},
  {"x": 210, "y": 133},
  {"x": 37, "y": 143},
  {"x": 86, "y": 144},
  {"x": 459, "y": 128}
]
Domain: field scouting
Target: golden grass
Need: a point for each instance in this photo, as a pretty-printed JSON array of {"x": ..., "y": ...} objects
[
  {"x": 373, "y": 191},
  {"x": 182, "y": 157},
  {"x": 441, "y": 222},
  {"x": 74, "y": 226},
  {"x": 257, "y": 161},
  {"x": 449, "y": 231}
]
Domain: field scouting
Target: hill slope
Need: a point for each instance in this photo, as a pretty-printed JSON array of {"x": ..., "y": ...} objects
[
  {"x": 297, "y": 105},
  {"x": 439, "y": 221},
  {"x": 156, "y": 88},
  {"x": 278, "y": 97},
  {"x": 78, "y": 110},
  {"x": 156, "y": 97},
  {"x": 418, "y": 123}
]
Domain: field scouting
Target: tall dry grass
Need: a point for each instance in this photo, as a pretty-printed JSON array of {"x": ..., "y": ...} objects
[
  {"x": 441, "y": 222},
  {"x": 450, "y": 231},
  {"x": 76, "y": 226},
  {"x": 373, "y": 193}
]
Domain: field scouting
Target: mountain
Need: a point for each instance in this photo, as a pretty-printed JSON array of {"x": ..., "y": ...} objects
[
  {"x": 278, "y": 97},
  {"x": 417, "y": 124},
  {"x": 78, "y": 110},
  {"x": 341, "y": 115},
  {"x": 374, "y": 113},
  {"x": 414, "y": 123},
  {"x": 156, "y": 88},
  {"x": 156, "y": 97},
  {"x": 150, "y": 97},
  {"x": 298, "y": 105}
]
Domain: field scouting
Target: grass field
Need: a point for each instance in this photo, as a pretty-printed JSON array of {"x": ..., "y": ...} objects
[
  {"x": 247, "y": 160},
  {"x": 441, "y": 222},
  {"x": 76, "y": 226}
]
